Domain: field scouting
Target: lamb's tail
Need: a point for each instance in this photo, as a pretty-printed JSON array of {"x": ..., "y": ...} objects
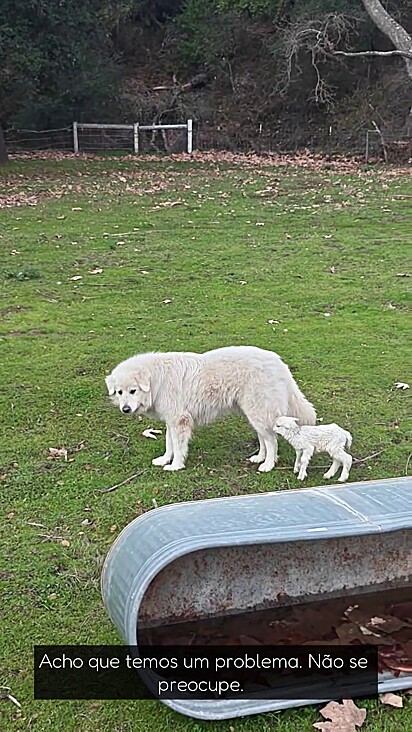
[
  {"x": 299, "y": 406},
  {"x": 348, "y": 443}
]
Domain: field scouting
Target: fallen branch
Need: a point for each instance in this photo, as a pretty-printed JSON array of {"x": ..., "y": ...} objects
[
  {"x": 127, "y": 480},
  {"x": 352, "y": 54},
  {"x": 38, "y": 526},
  {"x": 368, "y": 457}
]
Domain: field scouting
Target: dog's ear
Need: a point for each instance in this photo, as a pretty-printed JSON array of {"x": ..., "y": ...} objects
[
  {"x": 143, "y": 380},
  {"x": 110, "y": 385}
]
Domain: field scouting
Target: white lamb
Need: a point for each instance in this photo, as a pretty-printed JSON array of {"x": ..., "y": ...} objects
[{"x": 306, "y": 440}]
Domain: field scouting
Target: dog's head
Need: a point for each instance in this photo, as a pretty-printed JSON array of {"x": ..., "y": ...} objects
[
  {"x": 286, "y": 425},
  {"x": 130, "y": 389}
]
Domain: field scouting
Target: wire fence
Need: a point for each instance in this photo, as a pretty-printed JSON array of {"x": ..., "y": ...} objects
[
  {"x": 372, "y": 145},
  {"x": 37, "y": 140}
]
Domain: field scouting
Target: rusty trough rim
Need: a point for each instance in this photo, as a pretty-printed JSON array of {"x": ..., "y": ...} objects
[{"x": 173, "y": 550}]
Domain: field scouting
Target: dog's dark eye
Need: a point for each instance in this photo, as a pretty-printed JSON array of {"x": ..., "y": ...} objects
[
  {"x": 120, "y": 392},
  {"x": 133, "y": 391}
]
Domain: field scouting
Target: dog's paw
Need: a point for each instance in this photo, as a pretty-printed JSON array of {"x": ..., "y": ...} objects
[
  {"x": 173, "y": 467},
  {"x": 161, "y": 460},
  {"x": 265, "y": 468},
  {"x": 256, "y": 459}
]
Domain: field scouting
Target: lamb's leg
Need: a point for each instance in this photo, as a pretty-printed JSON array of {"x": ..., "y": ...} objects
[
  {"x": 163, "y": 460},
  {"x": 259, "y": 458},
  {"x": 304, "y": 462},
  {"x": 347, "y": 464},
  {"x": 181, "y": 432},
  {"x": 333, "y": 469},
  {"x": 297, "y": 461}
]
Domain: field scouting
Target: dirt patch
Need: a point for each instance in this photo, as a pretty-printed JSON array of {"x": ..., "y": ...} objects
[
  {"x": 31, "y": 332},
  {"x": 12, "y": 309}
]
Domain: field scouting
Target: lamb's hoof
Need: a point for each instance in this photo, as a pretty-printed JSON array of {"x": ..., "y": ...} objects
[
  {"x": 302, "y": 477},
  {"x": 256, "y": 459},
  {"x": 327, "y": 476},
  {"x": 161, "y": 461},
  {"x": 170, "y": 466},
  {"x": 342, "y": 479},
  {"x": 265, "y": 468}
]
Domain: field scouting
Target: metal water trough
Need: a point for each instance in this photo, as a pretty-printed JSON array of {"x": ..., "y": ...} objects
[{"x": 210, "y": 558}]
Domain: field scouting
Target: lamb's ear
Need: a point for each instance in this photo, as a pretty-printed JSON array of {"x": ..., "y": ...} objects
[
  {"x": 143, "y": 380},
  {"x": 110, "y": 385}
]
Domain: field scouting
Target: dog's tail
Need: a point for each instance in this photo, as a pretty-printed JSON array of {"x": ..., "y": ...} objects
[
  {"x": 299, "y": 406},
  {"x": 348, "y": 443}
]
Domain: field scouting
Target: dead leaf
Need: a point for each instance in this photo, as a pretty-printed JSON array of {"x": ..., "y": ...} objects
[
  {"x": 65, "y": 542},
  {"x": 55, "y": 453},
  {"x": 343, "y": 717},
  {"x": 98, "y": 270},
  {"x": 75, "y": 278},
  {"x": 332, "y": 270},
  {"x": 166, "y": 301},
  {"x": 151, "y": 433},
  {"x": 390, "y": 624},
  {"x": 392, "y": 700},
  {"x": 113, "y": 528},
  {"x": 401, "y": 385}
]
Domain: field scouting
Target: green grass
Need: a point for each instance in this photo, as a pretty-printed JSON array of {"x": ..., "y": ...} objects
[{"x": 243, "y": 245}]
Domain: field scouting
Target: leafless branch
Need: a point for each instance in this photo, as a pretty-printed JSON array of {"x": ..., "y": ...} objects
[
  {"x": 353, "y": 54},
  {"x": 127, "y": 480},
  {"x": 317, "y": 37}
]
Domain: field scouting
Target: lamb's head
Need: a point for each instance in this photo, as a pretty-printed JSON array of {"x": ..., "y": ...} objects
[{"x": 286, "y": 426}]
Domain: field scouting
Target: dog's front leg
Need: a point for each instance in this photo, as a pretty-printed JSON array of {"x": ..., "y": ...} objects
[
  {"x": 167, "y": 458},
  {"x": 181, "y": 432}
]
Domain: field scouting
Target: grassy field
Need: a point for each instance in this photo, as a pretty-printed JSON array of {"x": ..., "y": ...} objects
[{"x": 105, "y": 258}]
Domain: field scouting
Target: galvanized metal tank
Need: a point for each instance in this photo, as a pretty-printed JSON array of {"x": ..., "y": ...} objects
[{"x": 208, "y": 558}]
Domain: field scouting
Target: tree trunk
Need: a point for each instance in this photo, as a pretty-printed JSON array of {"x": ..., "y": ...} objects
[
  {"x": 3, "y": 150},
  {"x": 398, "y": 35}
]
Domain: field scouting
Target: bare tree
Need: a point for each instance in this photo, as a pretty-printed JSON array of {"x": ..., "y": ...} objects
[
  {"x": 397, "y": 34},
  {"x": 320, "y": 38},
  {"x": 390, "y": 28},
  {"x": 3, "y": 150},
  {"x": 316, "y": 37}
]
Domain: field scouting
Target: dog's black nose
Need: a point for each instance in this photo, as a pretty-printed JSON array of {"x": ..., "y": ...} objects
[{"x": 126, "y": 409}]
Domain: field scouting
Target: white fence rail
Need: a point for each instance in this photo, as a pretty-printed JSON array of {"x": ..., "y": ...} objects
[{"x": 93, "y": 136}]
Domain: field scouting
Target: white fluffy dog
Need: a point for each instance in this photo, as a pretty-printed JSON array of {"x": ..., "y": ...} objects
[
  {"x": 328, "y": 438},
  {"x": 188, "y": 389}
]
